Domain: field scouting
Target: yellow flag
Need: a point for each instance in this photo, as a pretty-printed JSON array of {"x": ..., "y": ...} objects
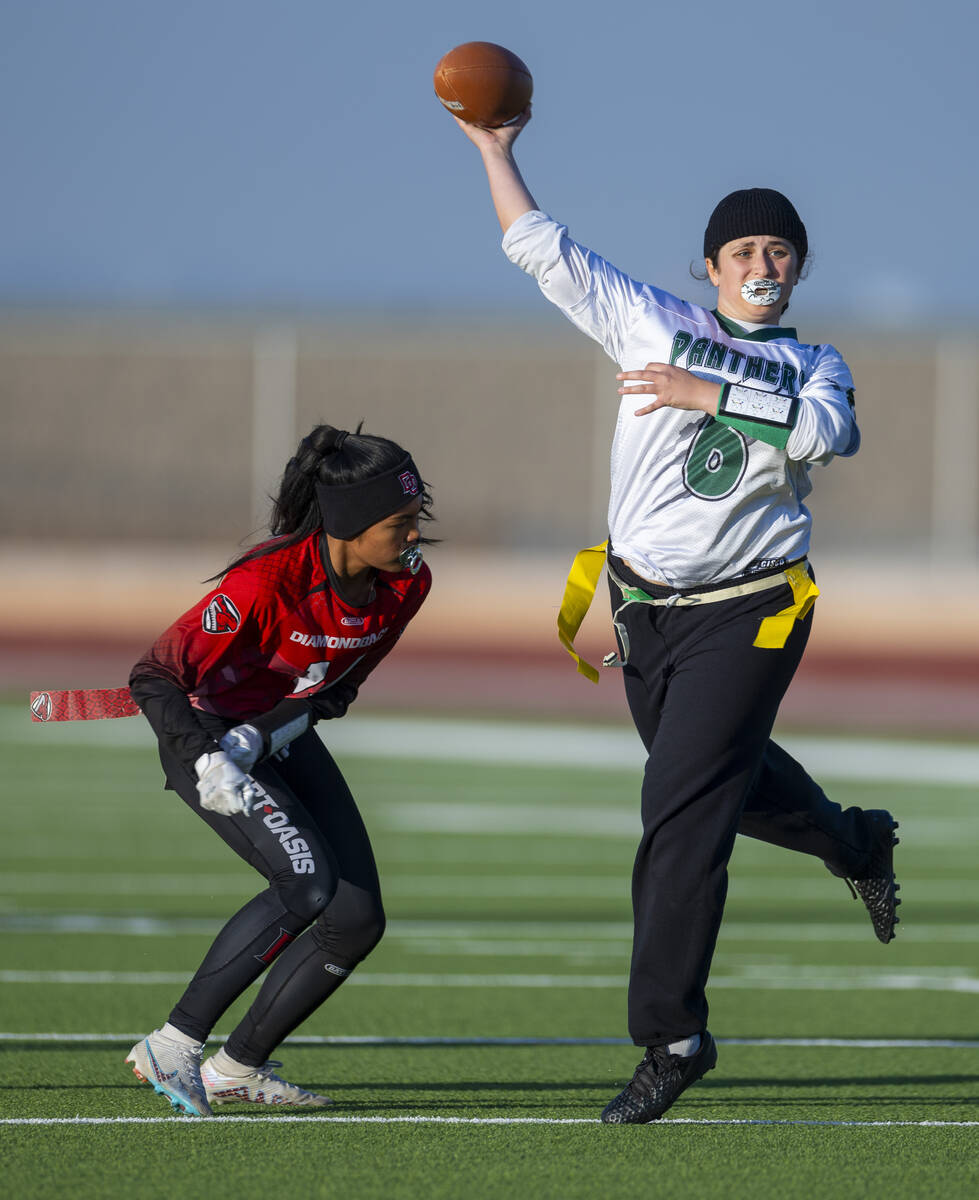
[
  {"x": 579, "y": 592},
  {"x": 774, "y": 631}
]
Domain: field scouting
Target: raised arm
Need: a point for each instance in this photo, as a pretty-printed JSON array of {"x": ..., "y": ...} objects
[{"x": 511, "y": 197}]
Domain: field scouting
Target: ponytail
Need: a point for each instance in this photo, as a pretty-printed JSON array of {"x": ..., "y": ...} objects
[{"x": 331, "y": 457}]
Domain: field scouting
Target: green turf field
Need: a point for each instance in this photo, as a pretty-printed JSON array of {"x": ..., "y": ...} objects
[{"x": 506, "y": 879}]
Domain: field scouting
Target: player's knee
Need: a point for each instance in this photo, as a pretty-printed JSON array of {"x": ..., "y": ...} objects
[
  {"x": 363, "y": 923},
  {"x": 367, "y": 932},
  {"x": 306, "y": 898},
  {"x": 353, "y": 925}
]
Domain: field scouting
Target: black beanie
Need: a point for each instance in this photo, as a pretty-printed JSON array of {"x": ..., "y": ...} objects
[{"x": 754, "y": 212}]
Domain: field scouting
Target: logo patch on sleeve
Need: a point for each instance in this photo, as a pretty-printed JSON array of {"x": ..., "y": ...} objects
[{"x": 220, "y": 616}]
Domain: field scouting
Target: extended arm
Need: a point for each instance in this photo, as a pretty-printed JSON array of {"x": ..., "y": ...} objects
[{"x": 511, "y": 196}]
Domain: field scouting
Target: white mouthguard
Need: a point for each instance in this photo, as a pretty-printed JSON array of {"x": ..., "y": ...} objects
[{"x": 763, "y": 292}]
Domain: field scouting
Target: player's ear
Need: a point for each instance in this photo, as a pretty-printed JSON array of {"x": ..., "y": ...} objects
[{"x": 712, "y": 274}]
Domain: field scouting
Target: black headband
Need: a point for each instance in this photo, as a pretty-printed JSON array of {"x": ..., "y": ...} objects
[{"x": 349, "y": 508}]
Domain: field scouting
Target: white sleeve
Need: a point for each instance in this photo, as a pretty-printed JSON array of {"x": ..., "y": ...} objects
[
  {"x": 826, "y": 424},
  {"x": 594, "y": 295}
]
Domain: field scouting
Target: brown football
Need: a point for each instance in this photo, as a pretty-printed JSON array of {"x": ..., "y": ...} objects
[{"x": 483, "y": 84}]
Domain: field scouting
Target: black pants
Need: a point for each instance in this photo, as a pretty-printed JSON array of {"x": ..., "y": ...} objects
[
  {"x": 704, "y": 701},
  {"x": 320, "y": 915}
]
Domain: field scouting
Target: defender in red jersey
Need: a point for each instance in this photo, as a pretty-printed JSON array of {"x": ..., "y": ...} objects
[
  {"x": 232, "y": 690},
  {"x": 278, "y": 627}
]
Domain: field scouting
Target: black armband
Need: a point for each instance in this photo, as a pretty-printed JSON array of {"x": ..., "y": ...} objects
[{"x": 768, "y": 416}]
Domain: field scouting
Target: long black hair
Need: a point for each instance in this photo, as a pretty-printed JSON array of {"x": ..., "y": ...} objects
[{"x": 331, "y": 456}]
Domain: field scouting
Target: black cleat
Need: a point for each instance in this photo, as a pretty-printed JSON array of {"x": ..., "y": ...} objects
[
  {"x": 876, "y": 885},
  {"x": 659, "y": 1080}
]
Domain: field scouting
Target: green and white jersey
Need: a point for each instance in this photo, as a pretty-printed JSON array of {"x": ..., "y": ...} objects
[{"x": 696, "y": 498}]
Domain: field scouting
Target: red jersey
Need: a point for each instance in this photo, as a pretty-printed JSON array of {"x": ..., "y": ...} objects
[{"x": 275, "y": 629}]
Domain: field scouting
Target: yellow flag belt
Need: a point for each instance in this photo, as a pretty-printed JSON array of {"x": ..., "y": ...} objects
[{"x": 579, "y": 591}]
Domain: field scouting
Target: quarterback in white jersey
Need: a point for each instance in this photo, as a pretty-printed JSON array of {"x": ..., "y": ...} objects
[
  {"x": 682, "y": 508},
  {"x": 712, "y": 595}
]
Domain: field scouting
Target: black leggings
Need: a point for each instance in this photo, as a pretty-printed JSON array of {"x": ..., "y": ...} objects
[
  {"x": 320, "y": 915},
  {"x": 704, "y": 700}
]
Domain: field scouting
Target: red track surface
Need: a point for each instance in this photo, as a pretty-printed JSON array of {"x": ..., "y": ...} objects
[
  {"x": 932, "y": 695},
  {"x": 895, "y": 646}
]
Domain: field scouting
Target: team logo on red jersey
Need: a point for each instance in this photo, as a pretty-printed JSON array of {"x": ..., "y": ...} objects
[
  {"x": 41, "y": 706},
  {"x": 220, "y": 616},
  {"x": 409, "y": 483}
]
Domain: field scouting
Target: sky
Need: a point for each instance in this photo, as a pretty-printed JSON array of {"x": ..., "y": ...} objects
[{"x": 234, "y": 155}]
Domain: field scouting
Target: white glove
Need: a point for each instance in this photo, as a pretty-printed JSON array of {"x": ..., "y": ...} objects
[
  {"x": 243, "y": 745},
  {"x": 223, "y": 787}
]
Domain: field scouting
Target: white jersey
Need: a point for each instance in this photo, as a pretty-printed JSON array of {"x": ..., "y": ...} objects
[{"x": 694, "y": 498}]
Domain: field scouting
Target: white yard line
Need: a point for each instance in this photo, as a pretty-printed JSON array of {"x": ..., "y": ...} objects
[
  {"x": 618, "y": 820},
  {"x": 304, "y": 1039},
  {"x": 960, "y": 889},
  {"x": 541, "y": 744},
  {"x": 762, "y": 977},
  {"x": 507, "y": 937},
  {"x": 216, "y": 1122}
]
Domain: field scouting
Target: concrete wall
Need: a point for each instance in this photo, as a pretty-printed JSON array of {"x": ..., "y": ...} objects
[{"x": 120, "y": 429}]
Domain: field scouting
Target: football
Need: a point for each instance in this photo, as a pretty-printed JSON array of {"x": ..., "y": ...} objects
[{"x": 483, "y": 84}]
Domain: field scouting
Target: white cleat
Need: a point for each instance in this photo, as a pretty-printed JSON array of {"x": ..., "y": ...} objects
[
  {"x": 174, "y": 1070},
  {"x": 259, "y": 1086}
]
